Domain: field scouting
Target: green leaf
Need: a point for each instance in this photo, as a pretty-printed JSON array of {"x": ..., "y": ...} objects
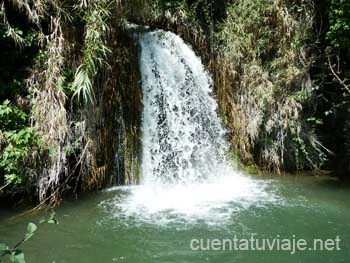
[
  {"x": 31, "y": 228},
  {"x": 13, "y": 178},
  {"x": 17, "y": 256},
  {"x": 52, "y": 221},
  {"x": 3, "y": 247}
]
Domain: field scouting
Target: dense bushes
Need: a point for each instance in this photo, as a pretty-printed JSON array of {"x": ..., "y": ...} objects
[
  {"x": 332, "y": 73},
  {"x": 17, "y": 140},
  {"x": 76, "y": 95},
  {"x": 280, "y": 83},
  {"x": 339, "y": 24},
  {"x": 263, "y": 52}
]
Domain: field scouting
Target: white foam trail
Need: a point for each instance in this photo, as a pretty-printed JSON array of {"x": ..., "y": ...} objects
[{"x": 184, "y": 169}]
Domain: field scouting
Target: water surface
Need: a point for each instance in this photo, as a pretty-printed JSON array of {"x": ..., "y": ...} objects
[{"x": 100, "y": 228}]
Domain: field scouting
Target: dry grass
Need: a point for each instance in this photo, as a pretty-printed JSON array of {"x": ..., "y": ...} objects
[
  {"x": 262, "y": 83},
  {"x": 260, "y": 65},
  {"x": 96, "y": 143},
  {"x": 50, "y": 118}
]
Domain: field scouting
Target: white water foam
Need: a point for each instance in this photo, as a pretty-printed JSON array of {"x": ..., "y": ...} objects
[
  {"x": 185, "y": 174},
  {"x": 213, "y": 203}
]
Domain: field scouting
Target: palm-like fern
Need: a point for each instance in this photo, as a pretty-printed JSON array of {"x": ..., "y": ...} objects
[{"x": 95, "y": 52}]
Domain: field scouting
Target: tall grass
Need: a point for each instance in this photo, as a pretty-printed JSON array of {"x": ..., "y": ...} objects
[
  {"x": 50, "y": 118},
  {"x": 263, "y": 83}
]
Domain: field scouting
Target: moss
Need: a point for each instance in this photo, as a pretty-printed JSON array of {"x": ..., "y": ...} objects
[{"x": 252, "y": 169}]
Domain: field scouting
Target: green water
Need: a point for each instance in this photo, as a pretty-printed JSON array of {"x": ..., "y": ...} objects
[{"x": 93, "y": 229}]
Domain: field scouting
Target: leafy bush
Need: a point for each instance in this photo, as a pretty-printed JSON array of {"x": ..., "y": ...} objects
[
  {"x": 11, "y": 117},
  {"x": 339, "y": 24},
  {"x": 16, "y": 141}
]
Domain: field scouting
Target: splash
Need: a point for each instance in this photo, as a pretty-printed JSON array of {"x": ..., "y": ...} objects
[{"x": 184, "y": 170}]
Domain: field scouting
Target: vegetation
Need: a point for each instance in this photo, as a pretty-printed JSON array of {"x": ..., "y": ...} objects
[
  {"x": 71, "y": 100},
  {"x": 331, "y": 73},
  {"x": 95, "y": 52},
  {"x": 15, "y": 254},
  {"x": 18, "y": 140},
  {"x": 339, "y": 24},
  {"x": 263, "y": 46}
]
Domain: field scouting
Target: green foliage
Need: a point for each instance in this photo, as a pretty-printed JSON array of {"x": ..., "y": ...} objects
[
  {"x": 18, "y": 144},
  {"x": 11, "y": 117},
  {"x": 51, "y": 219},
  {"x": 17, "y": 140},
  {"x": 16, "y": 255},
  {"x": 66, "y": 83},
  {"x": 339, "y": 24},
  {"x": 95, "y": 52},
  {"x": 262, "y": 47},
  {"x": 19, "y": 44}
]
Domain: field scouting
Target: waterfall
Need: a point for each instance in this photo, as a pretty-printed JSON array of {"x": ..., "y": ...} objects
[
  {"x": 185, "y": 174},
  {"x": 182, "y": 138}
]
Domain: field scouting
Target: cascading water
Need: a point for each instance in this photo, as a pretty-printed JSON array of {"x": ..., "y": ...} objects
[
  {"x": 184, "y": 170},
  {"x": 183, "y": 141}
]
